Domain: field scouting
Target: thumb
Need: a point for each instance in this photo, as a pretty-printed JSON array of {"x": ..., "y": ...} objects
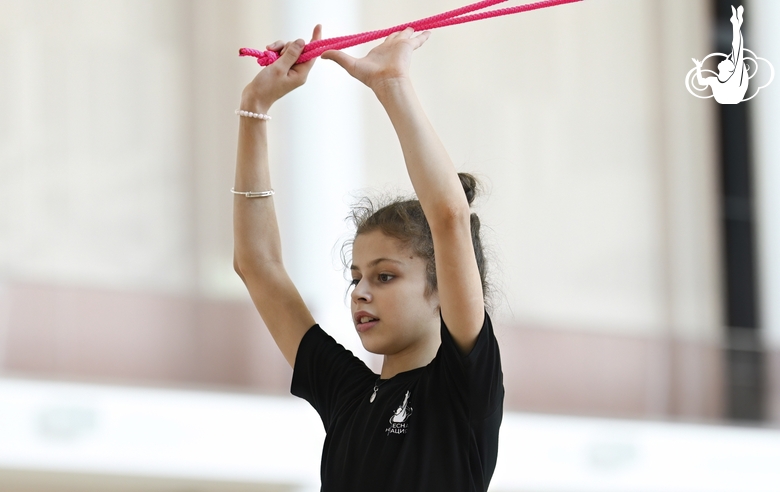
[
  {"x": 343, "y": 59},
  {"x": 291, "y": 54}
]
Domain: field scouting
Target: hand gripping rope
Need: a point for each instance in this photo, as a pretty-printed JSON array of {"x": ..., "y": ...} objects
[{"x": 316, "y": 48}]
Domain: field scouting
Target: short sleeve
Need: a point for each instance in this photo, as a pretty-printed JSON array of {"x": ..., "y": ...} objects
[
  {"x": 326, "y": 374},
  {"x": 477, "y": 376}
]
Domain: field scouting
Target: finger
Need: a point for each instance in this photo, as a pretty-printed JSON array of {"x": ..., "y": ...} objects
[
  {"x": 346, "y": 61},
  {"x": 276, "y": 45},
  {"x": 302, "y": 69},
  {"x": 406, "y": 33},
  {"x": 290, "y": 54},
  {"x": 420, "y": 39},
  {"x": 392, "y": 36}
]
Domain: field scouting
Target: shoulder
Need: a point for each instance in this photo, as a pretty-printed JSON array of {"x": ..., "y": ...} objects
[
  {"x": 326, "y": 374},
  {"x": 321, "y": 360},
  {"x": 474, "y": 379},
  {"x": 485, "y": 339},
  {"x": 318, "y": 348}
]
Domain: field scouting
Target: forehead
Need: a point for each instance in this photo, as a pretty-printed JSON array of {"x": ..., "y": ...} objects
[{"x": 370, "y": 246}]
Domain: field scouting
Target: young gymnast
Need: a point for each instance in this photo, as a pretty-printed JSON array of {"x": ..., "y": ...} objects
[{"x": 430, "y": 420}]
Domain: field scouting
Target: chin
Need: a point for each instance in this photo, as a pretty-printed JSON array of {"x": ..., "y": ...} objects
[
  {"x": 375, "y": 343},
  {"x": 371, "y": 345}
]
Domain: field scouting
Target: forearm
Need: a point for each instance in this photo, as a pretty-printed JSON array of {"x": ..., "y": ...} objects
[
  {"x": 257, "y": 250},
  {"x": 255, "y": 228},
  {"x": 430, "y": 168}
]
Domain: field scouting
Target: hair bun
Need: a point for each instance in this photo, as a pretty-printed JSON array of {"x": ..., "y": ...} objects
[{"x": 469, "y": 184}]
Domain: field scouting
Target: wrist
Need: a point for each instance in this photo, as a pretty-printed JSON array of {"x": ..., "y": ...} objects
[
  {"x": 388, "y": 89},
  {"x": 254, "y": 103}
]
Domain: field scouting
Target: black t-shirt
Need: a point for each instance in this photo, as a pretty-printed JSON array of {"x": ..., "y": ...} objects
[{"x": 429, "y": 429}]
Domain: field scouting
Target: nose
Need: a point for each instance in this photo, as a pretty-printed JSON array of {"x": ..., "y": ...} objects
[{"x": 361, "y": 292}]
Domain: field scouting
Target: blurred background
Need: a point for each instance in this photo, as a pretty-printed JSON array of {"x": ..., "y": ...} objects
[{"x": 633, "y": 232}]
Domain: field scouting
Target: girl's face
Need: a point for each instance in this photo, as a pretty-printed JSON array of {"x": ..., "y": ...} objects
[{"x": 389, "y": 285}]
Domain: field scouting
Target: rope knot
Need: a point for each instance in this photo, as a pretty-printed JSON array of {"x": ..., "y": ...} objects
[{"x": 264, "y": 58}]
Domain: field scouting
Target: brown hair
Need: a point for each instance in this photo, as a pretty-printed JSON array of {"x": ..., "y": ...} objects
[{"x": 404, "y": 220}]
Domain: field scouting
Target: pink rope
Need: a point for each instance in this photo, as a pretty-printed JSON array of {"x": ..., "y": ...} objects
[{"x": 453, "y": 17}]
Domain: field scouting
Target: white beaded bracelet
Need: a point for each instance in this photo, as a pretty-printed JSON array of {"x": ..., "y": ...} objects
[
  {"x": 250, "y": 114},
  {"x": 252, "y": 194}
]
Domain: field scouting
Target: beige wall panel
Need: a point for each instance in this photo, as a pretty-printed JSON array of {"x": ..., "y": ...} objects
[
  {"x": 39, "y": 481},
  {"x": 772, "y": 403},
  {"x": 79, "y": 333},
  {"x": 136, "y": 337},
  {"x": 217, "y": 77},
  {"x": 688, "y": 173},
  {"x": 96, "y": 171},
  {"x": 600, "y": 374}
]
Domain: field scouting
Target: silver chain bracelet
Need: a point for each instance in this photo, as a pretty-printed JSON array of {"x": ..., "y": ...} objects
[{"x": 252, "y": 194}]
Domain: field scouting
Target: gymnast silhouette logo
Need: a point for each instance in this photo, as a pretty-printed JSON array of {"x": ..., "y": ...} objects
[
  {"x": 730, "y": 84},
  {"x": 398, "y": 420}
]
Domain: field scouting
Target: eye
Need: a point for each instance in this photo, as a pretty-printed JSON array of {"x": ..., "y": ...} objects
[
  {"x": 385, "y": 277},
  {"x": 354, "y": 281}
]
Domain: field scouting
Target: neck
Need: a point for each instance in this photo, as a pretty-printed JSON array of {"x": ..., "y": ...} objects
[{"x": 419, "y": 355}]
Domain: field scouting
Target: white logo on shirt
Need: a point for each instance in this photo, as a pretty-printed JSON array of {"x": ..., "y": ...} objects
[{"x": 398, "y": 423}]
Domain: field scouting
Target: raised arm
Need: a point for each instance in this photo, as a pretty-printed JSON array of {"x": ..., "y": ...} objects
[
  {"x": 386, "y": 71},
  {"x": 257, "y": 254}
]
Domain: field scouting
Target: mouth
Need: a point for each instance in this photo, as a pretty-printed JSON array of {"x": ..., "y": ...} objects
[{"x": 365, "y": 323}]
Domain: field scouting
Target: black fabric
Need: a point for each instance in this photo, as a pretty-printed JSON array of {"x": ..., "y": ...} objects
[{"x": 445, "y": 438}]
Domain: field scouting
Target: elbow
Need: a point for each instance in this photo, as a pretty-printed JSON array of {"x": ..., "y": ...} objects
[
  {"x": 450, "y": 215},
  {"x": 254, "y": 267},
  {"x": 237, "y": 267}
]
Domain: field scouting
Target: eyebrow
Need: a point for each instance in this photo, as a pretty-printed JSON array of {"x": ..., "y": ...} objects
[{"x": 374, "y": 262}]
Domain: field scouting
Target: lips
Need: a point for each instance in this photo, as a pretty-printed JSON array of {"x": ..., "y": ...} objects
[{"x": 364, "y": 320}]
